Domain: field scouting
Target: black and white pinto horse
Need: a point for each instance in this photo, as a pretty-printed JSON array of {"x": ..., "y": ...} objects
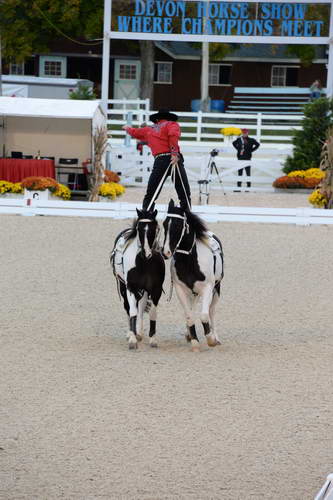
[
  {"x": 196, "y": 269},
  {"x": 139, "y": 269}
]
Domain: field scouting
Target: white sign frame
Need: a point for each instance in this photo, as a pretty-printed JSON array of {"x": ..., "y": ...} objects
[{"x": 109, "y": 34}]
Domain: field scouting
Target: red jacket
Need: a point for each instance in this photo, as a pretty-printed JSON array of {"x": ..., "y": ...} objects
[{"x": 161, "y": 137}]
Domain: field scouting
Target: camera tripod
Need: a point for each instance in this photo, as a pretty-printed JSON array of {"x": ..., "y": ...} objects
[{"x": 204, "y": 184}]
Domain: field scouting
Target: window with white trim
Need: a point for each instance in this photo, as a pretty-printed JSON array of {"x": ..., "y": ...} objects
[
  {"x": 284, "y": 76},
  {"x": 163, "y": 72},
  {"x": 53, "y": 67},
  {"x": 16, "y": 68},
  {"x": 219, "y": 74}
]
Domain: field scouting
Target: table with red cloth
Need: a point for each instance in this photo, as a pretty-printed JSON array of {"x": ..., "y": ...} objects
[{"x": 17, "y": 169}]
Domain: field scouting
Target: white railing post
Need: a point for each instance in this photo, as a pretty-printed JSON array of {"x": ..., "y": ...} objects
[
  {"x": 199, "y": 124},
  {"x": 129, "y": 121},
  {"x": 147, "y": 105},
  {"x": 259, "y": 124}
]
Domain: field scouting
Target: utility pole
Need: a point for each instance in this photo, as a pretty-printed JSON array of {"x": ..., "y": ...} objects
[
  {"x": 205, "y": 66},
  {"x": 205, "y": 77},
  {"x": 106, "y": 55},
  {"x": 329, "y": 83}
]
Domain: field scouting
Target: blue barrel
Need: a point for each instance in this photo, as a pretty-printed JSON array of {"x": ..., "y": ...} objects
[
  {"x": 195, "y": 105},
  {"x": 217, "y": 105}
]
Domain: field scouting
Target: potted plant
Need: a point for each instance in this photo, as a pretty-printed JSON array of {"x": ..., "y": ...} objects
[
  {"x": 11, "y": 189},
  {"x": 229, "y": 133},
  {"x": 322, "y": 197},
  {"x": 110, "y": 176},
  {"x": 44, "y": 188},
  {"x": 304, "y": 180},
  {"x": 108, "y": 191}
]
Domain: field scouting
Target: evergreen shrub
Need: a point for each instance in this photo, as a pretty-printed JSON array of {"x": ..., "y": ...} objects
[{"x": 309, "y": 140}]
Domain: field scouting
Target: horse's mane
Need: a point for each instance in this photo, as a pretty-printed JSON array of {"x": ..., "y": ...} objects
[
  {"x": 197, "y": 225},
  {"x": 132, "y": 231}
]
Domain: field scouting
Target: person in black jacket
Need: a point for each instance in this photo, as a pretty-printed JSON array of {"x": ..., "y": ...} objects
[{"x": 245, "y": 146}]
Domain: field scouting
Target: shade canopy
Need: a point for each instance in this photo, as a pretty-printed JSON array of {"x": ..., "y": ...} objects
[{"x": 49, "y": 108}]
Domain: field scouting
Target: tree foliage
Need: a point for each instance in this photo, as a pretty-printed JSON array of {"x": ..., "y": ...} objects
[
  {"x": 29, "y": 27},
  {"x": 309, "y": 140}
]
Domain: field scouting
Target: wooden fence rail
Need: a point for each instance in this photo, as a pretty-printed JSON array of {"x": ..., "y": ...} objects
[
  {"x": 201, "y": 126},
  {"x": 119, "y": 210}
]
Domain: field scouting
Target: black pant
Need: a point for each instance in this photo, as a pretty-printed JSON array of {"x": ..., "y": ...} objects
[
  {"x": 161, "y": 164},
  {"x": 248, "y": 172}
]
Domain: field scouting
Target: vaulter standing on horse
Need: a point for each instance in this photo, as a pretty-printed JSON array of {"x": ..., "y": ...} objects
[{"x": 162, "y": 138}]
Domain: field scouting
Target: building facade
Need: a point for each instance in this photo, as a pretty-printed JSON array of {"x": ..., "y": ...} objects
[{"x": 178, "y": 70}]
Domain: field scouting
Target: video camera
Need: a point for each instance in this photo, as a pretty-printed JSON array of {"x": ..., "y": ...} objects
[{"x": 214, "y": 152}]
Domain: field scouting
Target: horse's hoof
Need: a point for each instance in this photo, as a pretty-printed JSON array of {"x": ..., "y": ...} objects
[
  {"x": 188, "y": 337},
  {"x": 132, "y": 345},
  {"x": 211, "y": 340},
  {"x": 153, "y": 343},
  {"x": 212, "y": 344},
  {"x": 139, "y": 337},
  {"x": 218, "y": 342}
]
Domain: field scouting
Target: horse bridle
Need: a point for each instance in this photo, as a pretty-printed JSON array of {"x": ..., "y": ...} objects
[
  {"x": 186, "y": 230},
  {"x": 153, "y": 247}
]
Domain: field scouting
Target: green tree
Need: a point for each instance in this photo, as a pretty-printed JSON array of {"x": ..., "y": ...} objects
[
  {"x": 29, "y": 27},
  {"x": 309, "y": 140}
]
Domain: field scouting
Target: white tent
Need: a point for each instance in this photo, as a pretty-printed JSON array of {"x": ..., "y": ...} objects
[{"x": 54, "y": 127}]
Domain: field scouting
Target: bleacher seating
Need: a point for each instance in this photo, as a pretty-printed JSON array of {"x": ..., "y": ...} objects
[{"x": 272, "y": 100}]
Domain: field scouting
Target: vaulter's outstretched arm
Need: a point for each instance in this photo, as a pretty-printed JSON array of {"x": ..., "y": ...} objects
[{"x": 137, "y": 133}]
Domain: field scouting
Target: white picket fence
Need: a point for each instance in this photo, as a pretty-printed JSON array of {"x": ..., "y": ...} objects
[
  {"x": 200, "y": 134},
  {"x": 201, "y": 127},
  {"x": 135, "y": 170},
  {"x": 119, "y": 210}
]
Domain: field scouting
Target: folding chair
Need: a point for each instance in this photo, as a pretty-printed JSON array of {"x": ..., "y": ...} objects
[{"x": 65, "y": 167}]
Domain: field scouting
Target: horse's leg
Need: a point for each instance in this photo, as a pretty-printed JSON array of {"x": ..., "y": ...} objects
[
  {"x": 141, "y": 309},
  {"x": 152, "y": 327},
  {"x": 193, "y": 299},
  {"x": 207, "y": 298},
  {"x": 185, "y": 301},
  {"x": 212, "y": 316},
  {"x": 155, "y": 298},
  {"x": 133, "y": 312}
]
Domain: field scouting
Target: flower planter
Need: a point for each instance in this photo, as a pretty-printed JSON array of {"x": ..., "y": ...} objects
[
  {"x": 13, "y": 196},
  {"x": 38, "y": 195},
  {"x": 293, "y": 191},
  {"x": 106, "y": 199},
  {"x": 228, "y": 140}
]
